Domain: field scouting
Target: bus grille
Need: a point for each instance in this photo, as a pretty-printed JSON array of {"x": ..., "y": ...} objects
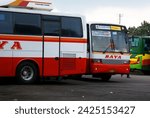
[{"x": 108, "y": 61}]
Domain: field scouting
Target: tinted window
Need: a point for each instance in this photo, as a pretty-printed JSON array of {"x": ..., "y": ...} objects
[
  {"x": 71, "y": 27},
  {"x": 51, "y": 28},
  {"x": 27, "y": 24},
  {"x": 51, "y": 25},
  {"x": 6, "y": 25},
  {"x": 147, "y": 45}
]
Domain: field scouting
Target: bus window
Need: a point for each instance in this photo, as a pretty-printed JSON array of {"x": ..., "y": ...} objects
[
  {"x": 27, "y": 24},
  {"x": 51, "y": 25},
  {"x": 71, "y": 27},
  {"x": 51, "y": 28},
  {"x": 147, "y": 45},
  {"x": 135, "y": 42},
  {"x": 6, "y": 23}
]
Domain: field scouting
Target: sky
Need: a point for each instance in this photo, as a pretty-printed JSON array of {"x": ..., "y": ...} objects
[{"x": 132, "y": 12}]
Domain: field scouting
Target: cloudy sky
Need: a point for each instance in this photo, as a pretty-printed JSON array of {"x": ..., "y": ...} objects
[{"x": 133, "y": 12}]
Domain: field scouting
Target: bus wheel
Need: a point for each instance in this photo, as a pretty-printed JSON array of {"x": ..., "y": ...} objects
[{"x": 26, "y": 73}]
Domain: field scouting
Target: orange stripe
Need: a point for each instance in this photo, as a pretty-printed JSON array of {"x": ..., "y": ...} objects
[
  {"x": 15, "y": 3},
  {"x": 21, "y": 38},
  {"x": 68, "y": 40},
  {"x": 39, "y": 38},
  {"x": 74, "y": 40}
]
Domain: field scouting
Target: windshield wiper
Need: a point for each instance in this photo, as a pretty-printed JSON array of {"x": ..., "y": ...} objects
[
  {"x": 106, "y": 49},
  {"x": 111, "y": 45}
]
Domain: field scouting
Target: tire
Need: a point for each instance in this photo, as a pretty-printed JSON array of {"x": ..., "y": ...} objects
[
  {"x": 26, "y": 73},
  {"x": 104, "y": 77}
]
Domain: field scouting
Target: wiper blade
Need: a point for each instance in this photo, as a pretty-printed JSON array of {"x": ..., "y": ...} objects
[
  {"x": 111, "y": 45},
  {"x": 106, "y": 49}
]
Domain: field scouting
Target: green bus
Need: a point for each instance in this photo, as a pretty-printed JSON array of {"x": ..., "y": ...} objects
[{"x": 140, "y": 54}]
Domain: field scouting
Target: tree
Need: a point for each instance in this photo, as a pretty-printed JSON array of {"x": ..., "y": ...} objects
[{"x": 143, "y": 30}]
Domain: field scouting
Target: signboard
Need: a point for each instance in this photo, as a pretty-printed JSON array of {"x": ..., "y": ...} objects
[
  {"x": 118, "y": 28},
  {"x": 101, "y": 33},
  {"x": 34, "y": 4},
  {"x": 103, "y": 27}
]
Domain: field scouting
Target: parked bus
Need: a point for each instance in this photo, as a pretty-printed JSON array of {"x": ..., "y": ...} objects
[
  {"x": 41, "y": 43},
  {"x": 108, "y": 50},
  {"x": 140, "y": 53},
  {"x": 38, "y": 43}
]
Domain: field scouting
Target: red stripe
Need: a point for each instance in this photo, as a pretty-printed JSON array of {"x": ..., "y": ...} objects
[
  {"x": 24, "y": 3},
  {"x": 39, "y": 38},
  {"x": 20, "y": 38},
  {"x": 146, "y": 62},
  {"x": 68, "y": 40}
]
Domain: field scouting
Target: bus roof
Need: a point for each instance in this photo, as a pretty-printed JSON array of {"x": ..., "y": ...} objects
[
  {"x": 34, "y": 4},
  {"x": 140, "y": 37},
  {"x": 35, "y": 11},
  {"x": 106, "y": 24}
]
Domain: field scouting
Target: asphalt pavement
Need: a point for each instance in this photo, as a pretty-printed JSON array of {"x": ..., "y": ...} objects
[{"x": 135, "y": 88}]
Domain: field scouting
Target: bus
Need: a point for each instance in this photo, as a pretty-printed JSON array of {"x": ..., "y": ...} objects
[
  {"x": 108, "y": 50},
  {"x": 35, "y": 43},
  {"x": 38, "y": 43},
  {"x": 140, "y": 53}
]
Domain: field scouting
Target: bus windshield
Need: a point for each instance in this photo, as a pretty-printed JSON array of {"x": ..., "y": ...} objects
[
  {"x": 109, "y": 38},
  {"x": 135, "y": 47},
  {"x": 147, "y": 45}
]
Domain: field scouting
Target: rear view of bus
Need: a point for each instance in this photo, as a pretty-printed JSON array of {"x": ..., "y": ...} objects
[{"x": 109, "y": 50}]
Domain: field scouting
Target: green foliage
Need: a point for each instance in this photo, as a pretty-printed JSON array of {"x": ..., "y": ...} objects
[{"x": 143, "y": 30}]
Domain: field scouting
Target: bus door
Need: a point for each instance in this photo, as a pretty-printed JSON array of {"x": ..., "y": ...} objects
[{"x": 51, "y": 45}]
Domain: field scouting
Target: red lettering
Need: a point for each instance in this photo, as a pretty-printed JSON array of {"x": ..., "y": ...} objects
[
  {"x": 16, "y": 46},
  {"x": 112, "y": 57},
  {"x": 119, "y": 57},
  {"x": 107, "y": 56},
  {"x": 2, "y": 44},
  {"x": 115, "y": 56}
]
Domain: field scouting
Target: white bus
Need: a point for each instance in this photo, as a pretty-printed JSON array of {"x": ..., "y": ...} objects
[{"x": 41, "y": 43}]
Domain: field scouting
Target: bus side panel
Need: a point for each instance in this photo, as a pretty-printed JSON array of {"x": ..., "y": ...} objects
[
  {"x": 5, "y": 57},
  {"x": 51, "y": 56},
  {"x": 73, "y": 56},
  {"x": 146, "y": 62},
  {"x": 72, "y": 66},
  {"x": 65, "y": 57},
  {"x": 30, "y": 50},
  {"x": 5, "y": 66}
]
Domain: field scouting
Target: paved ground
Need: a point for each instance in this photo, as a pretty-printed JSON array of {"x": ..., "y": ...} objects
[{"x": 135, "y": 88}]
